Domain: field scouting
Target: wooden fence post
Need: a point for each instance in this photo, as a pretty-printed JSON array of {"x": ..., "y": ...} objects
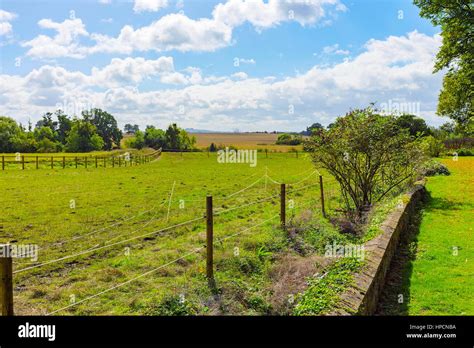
[
  {"x": 64, "y": 162},
  {"x": 85, "y": 161},
  {"x": 113, "y": 161},
  {"x": 76, "y": 161},
  {"x": 6, "y": 280},
  {"x": 23, "y": 162},
  {"x": 120, "y": 161},
  {"x": 3, "y": 162},
  {"x": 96, "y": 161},
  {"x": 266, "y": 153},
  {"x": 322, "y": 194},
  {"x": 283, "y": 205},
  {"x": 37, "y": 162},
  {"x": 52, "y": 162},
  {"x": 209, "y": 239}
]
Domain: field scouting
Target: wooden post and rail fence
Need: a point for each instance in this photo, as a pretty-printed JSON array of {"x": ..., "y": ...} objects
[
  {"x": 6, "y": 269},
  {"x": 75, "y": 161}
]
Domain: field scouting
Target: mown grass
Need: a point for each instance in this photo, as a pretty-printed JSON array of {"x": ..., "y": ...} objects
[
  {"x": 66, "y": 211},
  {"x": 441, "y": 279},
  {"x": 433, "y": 273}
]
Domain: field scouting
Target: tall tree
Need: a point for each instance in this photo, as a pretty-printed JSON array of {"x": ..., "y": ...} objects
[
  {"x": 457, "y": 55},
  {"x": 106, "y": 126}
]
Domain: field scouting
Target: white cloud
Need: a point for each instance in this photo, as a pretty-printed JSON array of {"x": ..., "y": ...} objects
[
  {"x": 105, "y": 2},
  {"x": 240, "y": 75},
  {"x": 149, "y": 5},
  {"x": 334, "y": 49},
  {"x": 5, "y": 25},
  {"x": 397, "y": 68},
  {"x": 178, "y": 32},
  {"x": 64, "y": 44},
  {"x": 268, "y": 14}
]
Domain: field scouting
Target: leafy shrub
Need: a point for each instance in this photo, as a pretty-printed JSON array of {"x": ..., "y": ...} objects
[
  {"x": 289, "y": 139},
  {"x": 465, "y": 152},
  {"x": 432, "y": 168},
  {"x": 432, "y": 146}
]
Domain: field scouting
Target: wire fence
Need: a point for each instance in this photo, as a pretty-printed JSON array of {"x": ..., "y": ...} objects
[{"x": 287, "y": 190}]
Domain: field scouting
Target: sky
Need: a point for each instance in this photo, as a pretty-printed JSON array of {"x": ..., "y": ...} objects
[{"x": 220, "y": 65}]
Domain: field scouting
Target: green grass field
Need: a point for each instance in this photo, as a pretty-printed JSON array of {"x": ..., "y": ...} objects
[
  {"x": 118, "y": 211},
  {"x": 442, "y": 277},
  {"x": 434, "y": 266}
]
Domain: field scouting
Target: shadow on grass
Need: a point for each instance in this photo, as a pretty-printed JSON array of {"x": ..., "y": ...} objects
[{"x": 395, "y": 296}]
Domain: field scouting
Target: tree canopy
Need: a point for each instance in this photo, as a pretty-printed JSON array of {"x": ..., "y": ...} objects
[{"x": 457, "y": 55}]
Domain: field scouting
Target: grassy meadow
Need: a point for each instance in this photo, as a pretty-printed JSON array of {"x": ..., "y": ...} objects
[{"x": 112, "y": 218}]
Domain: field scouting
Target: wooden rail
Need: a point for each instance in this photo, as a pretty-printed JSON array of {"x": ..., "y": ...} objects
[{"x": 64, "y": 161}]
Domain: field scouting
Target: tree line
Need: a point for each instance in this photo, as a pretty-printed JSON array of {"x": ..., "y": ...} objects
[{"x": 94, "y": 130}]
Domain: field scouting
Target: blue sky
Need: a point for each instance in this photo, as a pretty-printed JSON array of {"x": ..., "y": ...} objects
[{"x": 162, "y": 61}]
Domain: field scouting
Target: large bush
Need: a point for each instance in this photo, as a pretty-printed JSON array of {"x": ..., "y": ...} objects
[{"x": 368, "y": 154}]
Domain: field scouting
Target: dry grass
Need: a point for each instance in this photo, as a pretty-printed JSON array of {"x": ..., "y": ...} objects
[
  {"x": 243, "y": 141},
  {"x": 289, "y": 277}
]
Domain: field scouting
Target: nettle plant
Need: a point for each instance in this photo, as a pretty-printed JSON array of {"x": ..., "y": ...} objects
[{"x": 368, "y": 154}]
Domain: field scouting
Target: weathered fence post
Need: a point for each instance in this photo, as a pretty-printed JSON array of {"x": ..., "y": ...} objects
[
  {"x": 76, "y": 161},
  {"x": 209, "y": 239},
  {"x": 266, "y": 153},
  {"x": 37, "y": 162},
  {"x": 6, "y": 281},
  {"x": 96, "y": 161},
  {"x": 3, "y": 162},
  {"x": 283, "y": 205},
  {"x": 52, "y": 162},
  {"x": 64, "y": 162},
  {"x": 322, "y": 194},
  {"x": 113, "y": 161},
  {"x": 120, "y": 161},
  {"x": 85, "y": 161},
  {"x": 23, "y": 162}
]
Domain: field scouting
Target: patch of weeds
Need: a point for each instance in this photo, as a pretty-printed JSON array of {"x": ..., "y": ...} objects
[
  {"x": 323, "y": 293},
  {"x": 171, "y": 305},
  {"x": 379, "y": 214},
  {"x": 258, "y": 304}
]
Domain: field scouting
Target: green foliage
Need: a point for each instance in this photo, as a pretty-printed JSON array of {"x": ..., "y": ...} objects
[
  {"x": 432, "y": 146},
  {"x": 83, "y": 137},
  {"x": 174, "y": 138},
  {"x": 154, "y": 137},
  {"x": 416, "y": 126},
  {"x": 457, "y": 55},
  {"x": 9, "y": 134},
  {"x": 106, "y": 126},
  {"x": 289, "y": 139},
  {"x": 136, "y": 142},
  {"x": 433, "y": 167},
  {"x": 368, "y": 154},
  {"x": 171, "y": 305},
  {"x": 131, "y": 129},
  {"x": 323, "y": 293},
  {"x": 55, "y": 136},
  {"x": 315, "y": 127}
]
